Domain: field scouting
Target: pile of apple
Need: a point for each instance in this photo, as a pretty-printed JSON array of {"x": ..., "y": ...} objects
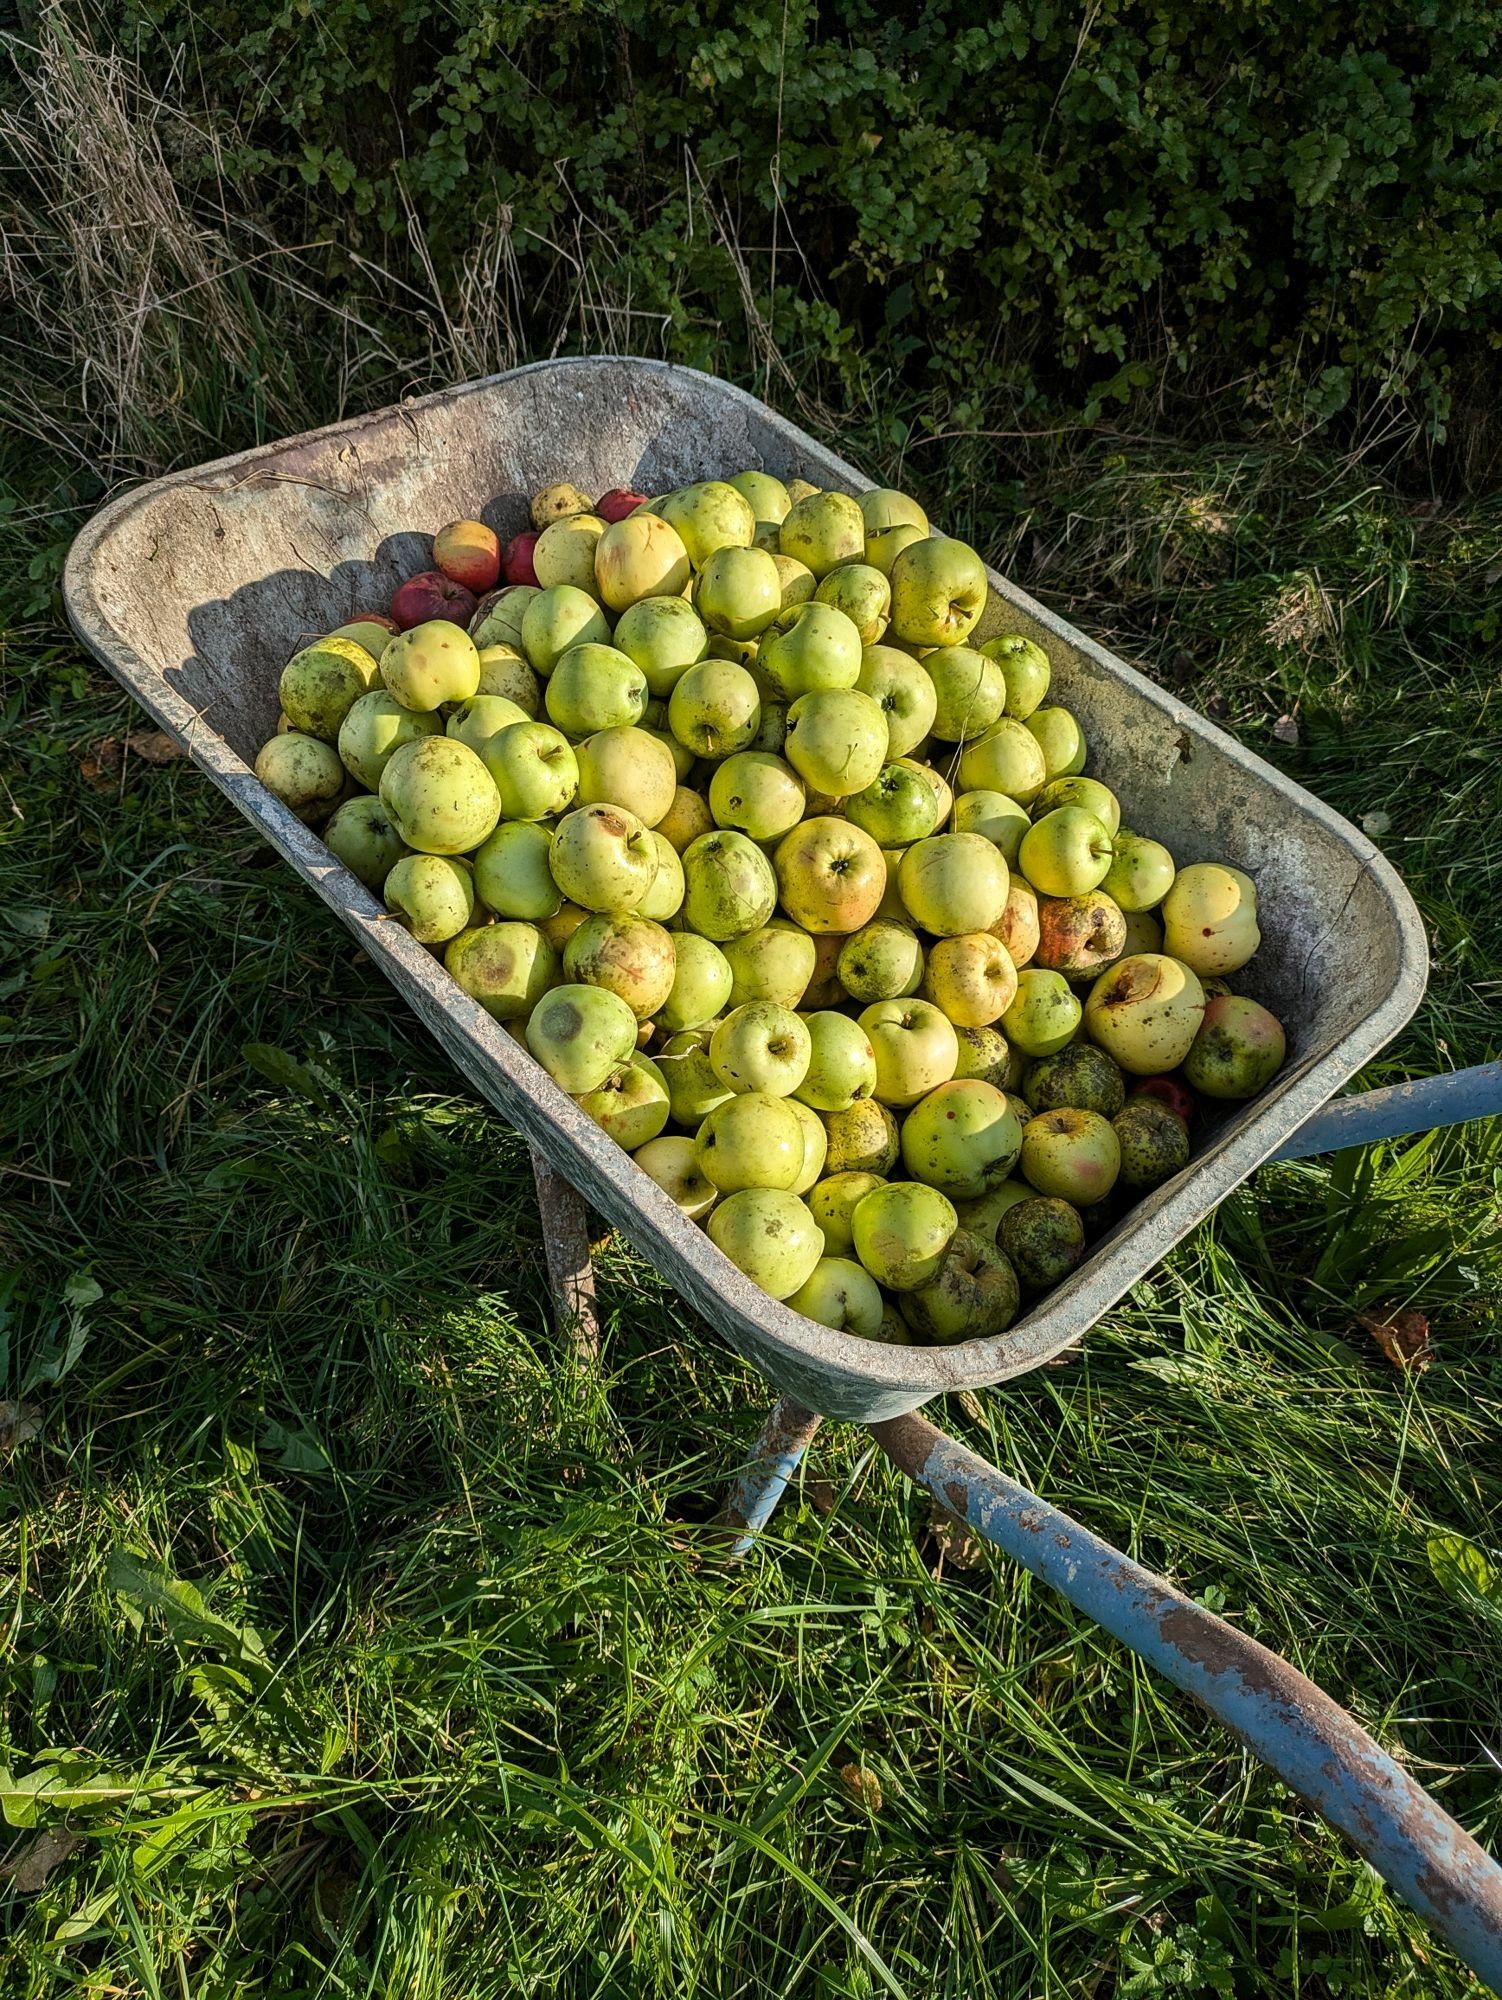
[{"x": 803, "y": 899}]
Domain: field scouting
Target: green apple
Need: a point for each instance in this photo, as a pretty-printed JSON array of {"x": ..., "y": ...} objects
[
  {"x": 693, "y": 1088},
  {"x": 498, "y": 616},
  {"x": 377, "y": 725},
  {"x": 767, "y": 497},
  {"x": 507, "y": 968},
  {"x": 1006, "y": 759},
  {"x": 984, "y": 1055},
  {"x": 371, "y": 635},
  {"x": 1154, "y": 1143},
  {"x": 1144, "y": 1011},
  {"x": 431, "y": 664},
  {"x": 1071, "y": 1155},
  {"x": 901, "y": 688},
  {"x": 1044, "y": 1238},
  {"x": 475, "y": 721},
  {"x": 813, "y": 648},
  {"x": 840, "y": 1294},
  {"x": 513, "y": 875},
  {"x": 971, "y": 978},
  {"x": 982, "y": 1217},
  {"x": 915, "y": 1047},
  {"x": 1079, "y": 1078},
  {"x": 832, "y": 1203},
  {"x": 883, "y": 507},
  {"x": 861, "y": 1140},
  {"x": 831, "y": 874},
  {"x": 815, "y": 1146},
  {"x": 953, "y": 883},
  {"x": 770, "y": 1237},
  {"x": 625, "y": 766},
  {"x": 1061, "y": 740},
  {"x": 665, "y": 636},
  {"x": 729, "y": 887},
  {"x": 1020, "y": 923},
  {"x": 901, "y": 1232},
  {"x": 1141, "y": 871},
  {"x": 974, "y": 1296},
  {"x": 883, "y": 548},
  {"x": 1210, "y": 918},
  {"x": 751, "y": 1140},
  {"x": 836, "y": 741},
  {"x": 932, "y": 776},
  {"x": 773, "y": 963},
  {"x": 1095, "y": 797},
  {"x": 362, "y": 836},
  {"x": 1044, "y": 1014},
  {"x": 710, "y": 515},
  {"x": 603, "y": 858},
  {"x": 863, "y": 594},
  {"x": 322, "y": 683},
  {"x": 739, "y": 592},
  {"x": 702, "y": 981},
  {"x": 1143, "y": 933},
  {"x": 1238, "y": 1051},
  {"x": 534, "y": 768},
  {"x": 962, "y": 1137},
  {"x": 841, "y": 1065},
  {"x": 938, "y": 592},
  {"x": 631, "y": 1105},
  {"x": 433, "y": 895},
  {"x": 824, "y": 530},
  {"x": 797, "y": 580},
  {"x": 771, "y": 731},
  {"x": 1065, "y": 853},
  {"x": 580, "y": 1034},
  {"x": 898, "y": 807},
  {"x": 632, "y": 562},
  {"x": 557, "y": 502},
  {"x": 969, "y": 693},
  {"x": 560, "y": 927},
  {"x": 1025, "y": 668},
  {"x": 685, "y": 819},
  {"x": 595, "y": 687},
  {"x": 439, "y": 795},
  {"x": 565, "y": 553},
  {"x": 557, "y": 620},
  {"x": 665, "y": 897},
  {"x": 882, "y": 961},
  {"x": 1000, "y": 819},
  {"x": 673, "y": 1162},
  {"x": 504, "y": 672},
  {"x": 626, "y": 954},
  {"x": 757, "y": 794},
  {"x": 760, "y": 1047},
  {"x": 714, "y": 709},
  {"x": 801, "y": 489},
  {"x": 1079, "y": 935}
]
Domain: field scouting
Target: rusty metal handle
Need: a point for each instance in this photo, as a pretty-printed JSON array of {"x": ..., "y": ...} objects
[{"x": 1295, "y": 1728}]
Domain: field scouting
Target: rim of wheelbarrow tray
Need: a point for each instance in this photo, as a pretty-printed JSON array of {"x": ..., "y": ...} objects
[{"x": 809, "y": 1360}]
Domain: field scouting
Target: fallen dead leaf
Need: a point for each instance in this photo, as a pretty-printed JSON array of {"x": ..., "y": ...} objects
[
  {"x": 96, "y": 766},
  {"x": 863, "y": 1786},
  {"x": 1286, "y": 729},
  {"x": 821, "y": 1495},
  {"x": 1403, "y": 1336},
  {"x": 19, "y": 1424},
  {"x": 154, "y": 746},
  {"x": 956, "y": 1543},
  {"x": 29, "y": 1871}
]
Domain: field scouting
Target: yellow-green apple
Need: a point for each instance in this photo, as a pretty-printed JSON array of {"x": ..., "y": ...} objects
[
  {"x": 624, "y": 766},
  {"x": 773, "y": 963},
  {"x": 1143, "y": 933},
  {"x": 701, "y": 984},
  {"x": 1071, "y": 1155},
  {"x": 729, "y": 887},
  {"x": 931, "y": 775},
  {"x": 371, "y": 630},
  {"x": 362, "y": 836},
  {"x": 739, "y": 593},
  {"x": 971, "y": 978},
  {"x": 842, "y": 1063},
  {"x": 1006, "y": 759},
  {"x": 595, "y": 687},
  {"x": 758, "y": 794},
  {"x": 557, "y": 620},
  {"x": 974, "y": 1296},
  {"x": 1060, "y": 738},
  {"x": 896, "y": 808},
  {"x": 901, "y": 1232},
  {"x": 832, "y": 1203},
  {"x": 507, "y": 968},
  {"x": 938, "y": 592},
  {"x": 815, "y": 1146},
  {"x": 836, "y": 740},
  {"x": 1239, "y": 1048},
  {"x": 685, "y": 819},
  {"x": 1079, "y": 1078},
  {"x": 376, "y": 726},
  {"x": 884, "y": 507},
  {"x": 751, "y": 1140},
  {"x": 766, "y": 495},
  {"x": 693, "y": 1088},
  {"x": 830, "y": 874},
  {"x": 603, "y": 858},
  {"x": 560, "y": 927},
  {"x": 801, "y": 489},
  {"x": 708, "y": 516},
  {"x": 433, "y": 895},
  {"x": 565, "y": 553},
  {"x": 557, "y": 502},
  {"x": 861, "y": 1140},
  {"x": 631, "y": 562},
  {"x": 1154, "y": 1142},
  {"x": 498, "y": 617},
  {"x": 431, "y": 595},
  {"x": 665, "y": 897},
  {"x": 1018, "y": 926},
  {"x": 321, "y": 684},
  {"x": 969, "y": 693},
  {"x": 982, "y": 1217},
  {"x": 1141, "y": 872},
  {"x": 963, "y": 1138},
  {"x": 673, "y": 1162},
  {"x": 903, "y": 691},
  {"x": 665, "y": 636},
  {"x": 475, "y": 721},
  {"x": 1210, "y": 918},
  {"x": 631, "y": 1105},
  {"x": 431, "y": 664},
  {"x": 884, "y": 547},
  {"x": 863, "y": 594},
  {"x": 824, "y": 530},
  {"x": 534, "y": 768},
  {"x": 1044, "y": 1015},
  {"x": 1065, "y": 853},
  {"x": 915, "y": 1047},
  {"x": 1079, "y": 935},
  {"x": 797, "y": 581},
  {"x": 1026, "y": 669},
  {"x": 840, "y": 1294},
  {"x": 714, "y": 709},
  {"x": 1145, "y": 1011},
  {"x": 882, "y": 961},
  {"x": 627, "y": 954},
  {"x": 1000, "y": 819},
  {"x": 440, "y": 796},
  {"x": 952, "y": 883},
  {"x": 470, "y": 553},
  {"x": 513, "y": 875},
  {"x": 813, "y": 647},
  {"x": 1044, "y": 1239},
  {"x": 580, "y": 1034},
  {"x": 761, "y": 1048},
  {"x": 1089, "y": 793},
  {"x": 984, "y": 1055},
  {"x": 770, "y": 1237},
  {"x": 504, "y": 672}
]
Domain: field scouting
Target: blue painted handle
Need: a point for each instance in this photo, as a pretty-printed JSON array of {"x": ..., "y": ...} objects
[
  {"x": 1294, "y": 1727},
  {"x": 1406, "y": 1107}
]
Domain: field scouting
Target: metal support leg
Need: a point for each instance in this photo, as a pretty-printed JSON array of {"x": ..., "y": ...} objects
[
  {"x": 1405, "y": 1107},
  {"x": 1312, "y": 1744},
  {"x": 774, "y": 1458},
  {"x": 565, "y": 1245}
]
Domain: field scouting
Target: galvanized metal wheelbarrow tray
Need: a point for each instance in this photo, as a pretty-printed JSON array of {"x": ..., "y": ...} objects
[{"x": 195, "y": 589}]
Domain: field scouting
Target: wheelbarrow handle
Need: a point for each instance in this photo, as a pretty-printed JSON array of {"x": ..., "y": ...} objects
[
  {"x": 1296, "y": 1729},
  {"x": 1452, "y": 1099}
]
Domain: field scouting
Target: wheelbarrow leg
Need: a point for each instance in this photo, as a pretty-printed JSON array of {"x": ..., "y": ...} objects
[
  {"x": 1295, "y": 1728},
  {"x": 762, "y": 1481},
  {"x": 565, "y": 1246}
]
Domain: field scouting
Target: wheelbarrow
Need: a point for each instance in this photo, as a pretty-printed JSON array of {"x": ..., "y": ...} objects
[{"x": 195, "y": 589}]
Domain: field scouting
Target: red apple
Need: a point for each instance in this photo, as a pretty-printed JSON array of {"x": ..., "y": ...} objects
[
  {"x": 516, "y": 563},
  {"x": 1168, "y": 1090},
  {"x": 470, "y": 553},
  {"x": 431, "y": 594},
  {"x": 618, "y": 503}
]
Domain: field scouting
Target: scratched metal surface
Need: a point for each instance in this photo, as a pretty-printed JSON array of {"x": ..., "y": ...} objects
[{"x": 194, "y": 591}]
